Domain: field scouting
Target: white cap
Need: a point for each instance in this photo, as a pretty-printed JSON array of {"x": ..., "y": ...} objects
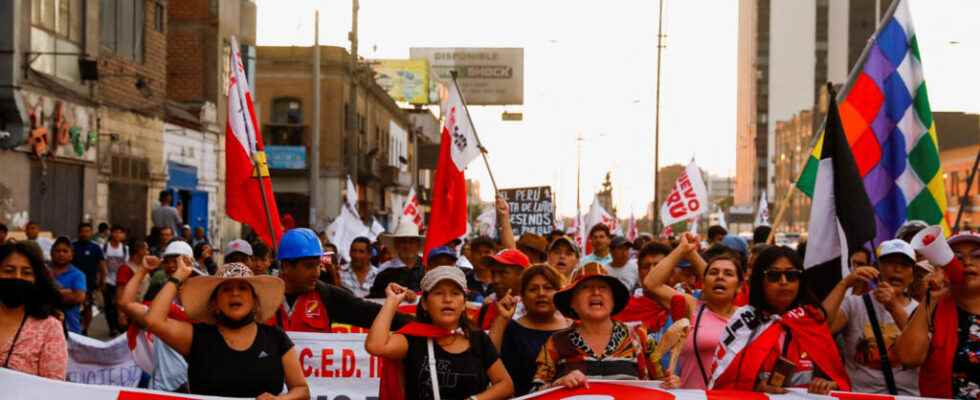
[
  {"x": 238, "y": 246},
  {"x": 897, "y": 246},
  {"x": 178, "y": 248}
]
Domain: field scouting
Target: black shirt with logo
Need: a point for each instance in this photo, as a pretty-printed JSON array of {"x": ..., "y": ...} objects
[
  {"x": 215, "y": 369},
  {"x": 460, "y": 375}
]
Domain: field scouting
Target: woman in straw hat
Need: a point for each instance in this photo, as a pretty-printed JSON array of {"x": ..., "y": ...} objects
[
  {"x": 596, "y": 346},
  {"x": 442, "y": 356},
  {"x": 228, "y": 353}
]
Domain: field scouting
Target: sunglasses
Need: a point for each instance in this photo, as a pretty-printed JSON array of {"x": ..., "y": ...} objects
[{"x": 790, "y": 275}]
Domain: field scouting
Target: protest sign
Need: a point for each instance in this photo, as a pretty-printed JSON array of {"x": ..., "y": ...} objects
[
  {"x": 531, "y": 209},
  {"x": 336, "y": 365},
  {"x": 95, "y": 362},
  {"x": 688, "y": 198}
]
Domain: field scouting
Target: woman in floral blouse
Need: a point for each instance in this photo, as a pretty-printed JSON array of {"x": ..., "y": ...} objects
[
  {"x": 32, "y": 340},
  {"x": 595, "y": 346}
]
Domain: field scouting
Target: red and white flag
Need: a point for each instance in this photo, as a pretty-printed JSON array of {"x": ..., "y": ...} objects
[
  {"x": 689, "y": 197},
  {"x": 632, "y": 231},
  {"x": 245, "y": 160},
  {"x": 458, "y": 147},
  {"x": 411, "y": 210}
]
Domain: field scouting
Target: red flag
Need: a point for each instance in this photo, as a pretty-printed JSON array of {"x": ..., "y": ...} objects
[
  {"x": 243, "y": 144},
  {"x": 457, "y": 148}
]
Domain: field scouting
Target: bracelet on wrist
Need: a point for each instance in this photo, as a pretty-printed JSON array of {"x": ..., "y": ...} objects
[{"x": 177, "y": 282}]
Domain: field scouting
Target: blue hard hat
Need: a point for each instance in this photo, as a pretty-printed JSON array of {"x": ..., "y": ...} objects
[{"x": 299, "y": 243}]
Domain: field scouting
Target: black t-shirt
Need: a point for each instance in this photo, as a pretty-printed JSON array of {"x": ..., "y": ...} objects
[
  {"x": 215, "y": 369},
  {"x": 519, "y": 352},
  {"x": 460, "y": 375},
  {"x": 410, "y": 278}
]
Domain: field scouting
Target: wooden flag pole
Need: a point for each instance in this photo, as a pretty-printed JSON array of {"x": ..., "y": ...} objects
[{"x": 779, "y": 215}]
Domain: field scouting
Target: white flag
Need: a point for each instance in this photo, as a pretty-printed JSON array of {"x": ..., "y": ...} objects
[
  {"x": 486, "y": 222},
  {"x": 465, "y": 147},
  {"x": 411, "y": 210},
  {"x": 688, "y": 198},
  {"x": 344, "y": 230},
  {"x": 352, "y": 197},
  {"x": 762, "y": 214}
]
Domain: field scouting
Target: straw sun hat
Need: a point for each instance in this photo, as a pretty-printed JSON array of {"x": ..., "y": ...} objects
[{"x": 196, "y": 292}]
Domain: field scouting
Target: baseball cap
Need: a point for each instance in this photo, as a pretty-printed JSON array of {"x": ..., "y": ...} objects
[
  {"x": 439, "y": 274},
  {"x": 563, "y": 240},
  {"x": 897, "y": 246},
  {"x": 238, "y": 246},
  {"x": 965, "y": 237},
  {"x": 178, "y": 248},
  {"x": 618, "y": 241},
  {"x": 510, "y": 257},
  {"x": 443, "y": 251}
]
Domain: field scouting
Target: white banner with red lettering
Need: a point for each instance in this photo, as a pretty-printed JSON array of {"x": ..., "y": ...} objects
[
  {"x": 336, "y": 365},
  {"x": 95, "y": 362},
  {"x": 687, "y": 199},
  {"x": 17, "y": 385}
]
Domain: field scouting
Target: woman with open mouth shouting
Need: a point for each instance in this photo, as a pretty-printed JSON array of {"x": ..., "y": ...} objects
[
  {"x": 228, "y": 352},
  {"x": 596, "y": 346},
  {"x": 781, "y": 338},
  {"x": 722, "y": 277},
  {"x": 443, "y": 357}
]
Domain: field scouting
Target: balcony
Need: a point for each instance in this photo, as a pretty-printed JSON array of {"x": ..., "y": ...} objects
[{"x": 367, "y": 168}]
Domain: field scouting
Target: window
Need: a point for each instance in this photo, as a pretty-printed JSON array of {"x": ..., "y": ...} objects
[
  {"x": 159, "y": 17},
  {"x": 57, "y": 26},
  {"x": 286, "y": 122},
  {"x": 121, "y": 28}
]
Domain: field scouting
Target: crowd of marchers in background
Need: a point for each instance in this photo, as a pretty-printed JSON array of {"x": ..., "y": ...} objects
[{"x": 503, "y": 317}]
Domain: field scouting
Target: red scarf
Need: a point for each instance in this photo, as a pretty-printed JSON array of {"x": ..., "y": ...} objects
[
  {"x": 392, "y": 371},
  {"x": 809, "y": 330},
  {"x": 937, "y": 372}
]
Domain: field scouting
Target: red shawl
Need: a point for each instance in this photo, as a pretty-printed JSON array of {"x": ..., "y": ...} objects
[
  {"x": 937, "y": 372},
  {"x": 392, "y": 371}
]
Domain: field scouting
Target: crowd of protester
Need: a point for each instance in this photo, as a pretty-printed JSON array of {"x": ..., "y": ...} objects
[{"x": 504, "y": 317}]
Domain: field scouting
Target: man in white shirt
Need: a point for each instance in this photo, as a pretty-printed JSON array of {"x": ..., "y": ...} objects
[{"x": 359, "y": 274}]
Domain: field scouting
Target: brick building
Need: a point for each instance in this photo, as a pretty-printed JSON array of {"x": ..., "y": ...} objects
[
  {"x": 88, "y": 79},
  {"x": 386, "y": 167},
  {"x": 198, "y": 48}
]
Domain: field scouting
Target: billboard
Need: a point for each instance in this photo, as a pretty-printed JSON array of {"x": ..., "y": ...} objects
[
  {"x": 404, "y": 80},
  {"x": 487, "y": 76}
]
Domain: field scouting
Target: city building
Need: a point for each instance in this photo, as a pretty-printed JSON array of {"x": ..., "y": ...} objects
[
  {"x": 792, "y": 143},
  {"x": 385, "y": 162},
  {"x": 781, "y": 74},
  {"x": 82, "y": 93},
  {"x": 959, "y": 145},
  {"x": 198, "y": 49}
]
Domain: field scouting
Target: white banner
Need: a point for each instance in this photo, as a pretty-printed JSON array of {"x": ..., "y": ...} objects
[
  {"x": 688, "y": 198},
  {"x": 336, "y": 365},
  {"x": 95, "y": 362}
]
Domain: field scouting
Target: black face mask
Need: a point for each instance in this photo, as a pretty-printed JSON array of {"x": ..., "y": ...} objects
[
  {"x": 227, "y": 322},
  {"x": 15, "y": 292}
]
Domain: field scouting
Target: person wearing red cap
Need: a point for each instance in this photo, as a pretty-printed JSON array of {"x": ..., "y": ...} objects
[{"x": 506, "y": 268}]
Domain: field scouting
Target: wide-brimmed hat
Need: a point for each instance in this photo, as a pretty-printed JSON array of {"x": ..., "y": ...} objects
[
  {"x": 406, "y": 229},
  {"x": 563, "y": 298},
  {"x": 195, "y": 294}
]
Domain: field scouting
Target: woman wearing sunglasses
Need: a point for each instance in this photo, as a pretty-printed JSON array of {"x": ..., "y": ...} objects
[{"x": 781, "y": 339}]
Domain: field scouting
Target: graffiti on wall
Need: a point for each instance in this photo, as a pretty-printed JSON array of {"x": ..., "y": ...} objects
[{"x": 59, "y": 128}]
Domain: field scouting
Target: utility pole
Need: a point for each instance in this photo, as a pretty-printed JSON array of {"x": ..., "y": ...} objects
[
  {"x": 352, "y": 146},
  {"x": 656, "y": 137},
  {"x": 315, "y": 134},
  {"x": 578, "y": 191}
]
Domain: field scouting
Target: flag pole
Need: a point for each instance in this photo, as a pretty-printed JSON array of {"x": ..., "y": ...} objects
[
  {"x": 780, "y": 213},
  {"x": 483, "y": 150},
  {"x": 966, "y": 194}
]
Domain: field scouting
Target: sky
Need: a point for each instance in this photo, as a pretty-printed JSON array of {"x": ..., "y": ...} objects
[{"x": 590, "y": 70}]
